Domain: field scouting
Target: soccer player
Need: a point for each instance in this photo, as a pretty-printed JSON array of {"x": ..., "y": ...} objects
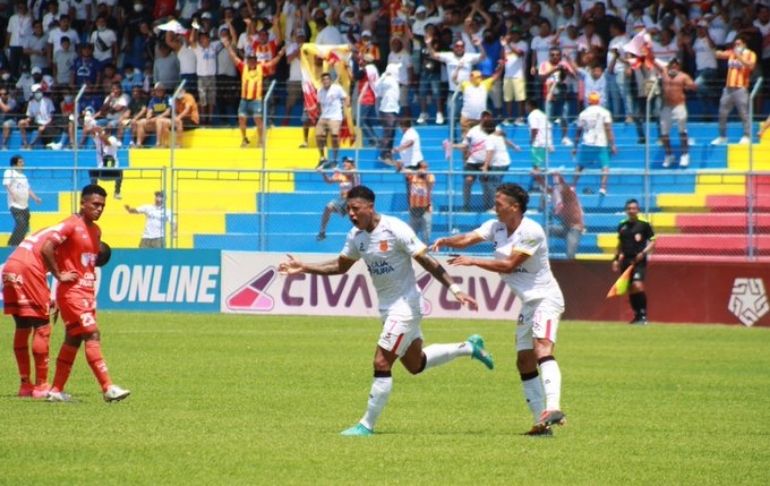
[
  {"x": 26, "y": 297},
  {"x": 387, "y": 246},
  {"x": 73, "y": 248},
  {"x": 521, "y": 259},
  {"x": 636, "y": 240}
]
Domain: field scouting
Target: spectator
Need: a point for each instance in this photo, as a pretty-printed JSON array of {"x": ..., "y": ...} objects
[
  {"x": 429, "y": 79},
  {"x": 366, "y": 46},
  {"x": 19, "y": 29},
  {"x": 540, "y": 46},
  {"x": 618, "y": 82},
  {"x": 368, "y": 77},
  {"x": 8, "y": 115},
  {"x": 474, "y": 147},
  {"x": 457, "y": 61},
  {"x": 19, "y": 192},
  {"x": 141, "y": 43},
  {"x": 705, "y": 66},
  {"x": 166, "y": 67},
  {"x": 475, "y": 93},
  {"x": 331, "y": 100},
  {"x": 187, "y": 60},
  {"x": 159, "y": 106},
  {"x": 106, "y": 147},
  {"x": 594, "y": 126},
  {"x": 496, "y": 162},
  {"x": 206, "y": 71},
  {"x": 105, "y": 42},
  {"x": 186, "y": 118},
  {"x": 64, "y": 63},
  {"x": 400, "y": 57},
  {"x": 594, "y": 80},
  {"x": 65, "y": 118},
  {"x": 554, "y": 73},
  {"x": 86, "y": 68},
  {"x": 132, "y": 76},
  {"x": 740, "y": 63},
  {"x": 387, "y": 90},
  {"x": 35, "y": 46},
  {"x": 568, "y": 214},
  {"x": 675, "y": 82},
  {"x": 294, "y": 94},
  {"x": 540, "y": 131},
  {"x": 347, "y": 178},
  {"x": 114, "y": 111},
  {"x": 138, "y": 110},
  {"x": 514, "y": 81},
  {"x": 409, "y": 149},
  {"x": 420, "y": 183},
  {"x": 326, "y": 34},
  {"x": 39, "y": 114},
  {"x": 56, "y": 35},
  {"x": 227, "y": 81},
  {"x": 155, "y": 225},
  {"x": 51, "y": 17}
]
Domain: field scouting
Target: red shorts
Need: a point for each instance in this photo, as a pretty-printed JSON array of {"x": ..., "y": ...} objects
[
  {"x": 25, "y": 290},
  {"x": 78, "y": 313}
]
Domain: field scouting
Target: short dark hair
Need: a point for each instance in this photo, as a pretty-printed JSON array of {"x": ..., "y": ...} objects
[
  {"x": 93, "y": 189},
  {"x": 159, "y": 194},
  {"x": 515, "y": 192},
  {"x": 361, "y": 192},
  {"x": 631, "y": 201},
  {"x": 326, "y": 75},
  {"x": 405, "y": 122},
  {"x": 16, "y": 159}
]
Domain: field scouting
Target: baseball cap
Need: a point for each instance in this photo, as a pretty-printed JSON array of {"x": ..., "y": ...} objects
[
  {"x": 36, "y": 70},
  {"x": 420, "y": 9},
  {"x": 459, "y": 42},
  {"x": 206, "y": 15},
  {"x": 594, "y": 98},
  {"x": 366, "y": 33},
  {"x": 159, "y": 85}
]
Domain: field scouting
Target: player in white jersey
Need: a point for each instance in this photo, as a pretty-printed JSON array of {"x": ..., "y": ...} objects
[
  {"x": 387, "y": 246},
  {"x": 521, "y": 259}
]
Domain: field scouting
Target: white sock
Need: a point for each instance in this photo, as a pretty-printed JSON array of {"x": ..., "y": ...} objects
[
  {"x": 551, "y": 374},
  {"x": 533, "y": 392},
  {"x": 438, "y": 354},
  {"x": 378, "y": 398}
]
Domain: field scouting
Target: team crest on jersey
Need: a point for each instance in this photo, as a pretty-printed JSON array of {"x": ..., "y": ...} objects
[{"x": 383, "y": 245}]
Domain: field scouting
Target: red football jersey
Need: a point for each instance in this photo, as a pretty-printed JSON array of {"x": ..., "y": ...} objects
[{"x": 78, "y": 247}]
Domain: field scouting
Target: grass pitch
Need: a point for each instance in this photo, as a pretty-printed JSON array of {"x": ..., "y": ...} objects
[{"x": 235, "y": 399}]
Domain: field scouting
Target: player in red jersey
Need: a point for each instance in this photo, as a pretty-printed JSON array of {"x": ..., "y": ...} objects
[
  {"x": 75, "y": 248},
  {"x": 26, "y": 297}
]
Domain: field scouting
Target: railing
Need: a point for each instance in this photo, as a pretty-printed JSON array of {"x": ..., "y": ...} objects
[{"x": 751, "y": 189}]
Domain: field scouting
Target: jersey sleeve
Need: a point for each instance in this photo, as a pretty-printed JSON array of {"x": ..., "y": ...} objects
[
  {"x": 649, "y": 234},
  {"x": 350, "y": 250},
  {"x": 486, "y": 230},
  {"x": 408, "y": 240},
  {"x": 528, "y": 241}
]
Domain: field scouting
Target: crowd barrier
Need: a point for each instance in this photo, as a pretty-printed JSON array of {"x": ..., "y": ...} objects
[{"x": 249, "y": 283}]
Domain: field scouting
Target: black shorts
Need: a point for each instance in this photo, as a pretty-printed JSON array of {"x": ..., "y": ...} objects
[{"x": 640, "y": 271}]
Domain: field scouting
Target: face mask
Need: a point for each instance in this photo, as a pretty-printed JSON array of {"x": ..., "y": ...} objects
[
  {"x": 6, "y": 76},
  {"x": 38, "y": 95},
  {"x": 138, "y": 7},
  {"x": 323, "y": 5},
  {"x": 672, "y": 73},
  {"x": 236, "y": 5},
  {"x": 261, "y": 5},
  {"x": 101, "y": 29},
  {"x": 68, "y": 98}
]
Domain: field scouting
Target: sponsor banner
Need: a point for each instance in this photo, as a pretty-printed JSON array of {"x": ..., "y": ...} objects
[{"x": 251, "y": 284}]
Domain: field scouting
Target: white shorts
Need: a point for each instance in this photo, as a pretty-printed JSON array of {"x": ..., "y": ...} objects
[
  {"x": 399, "y": 333},
  {"x": 670, "y": 115},
  {"x": 539, "y": 320}
]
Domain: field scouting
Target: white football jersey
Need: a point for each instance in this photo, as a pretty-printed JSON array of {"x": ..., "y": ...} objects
[
  {"x": 533, "y": 279},
  {"x": 592, "y": 120},
  {"x": 387, "y": 252},
  {"x": 476, "y": 139}
]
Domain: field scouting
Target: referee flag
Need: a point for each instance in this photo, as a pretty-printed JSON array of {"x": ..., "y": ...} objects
[{"x": 620, "y": 287}]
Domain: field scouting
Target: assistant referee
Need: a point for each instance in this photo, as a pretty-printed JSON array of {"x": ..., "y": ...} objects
[{"x": 636, "y": 240}]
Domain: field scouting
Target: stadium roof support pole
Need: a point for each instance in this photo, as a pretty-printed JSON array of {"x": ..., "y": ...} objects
[
  {"x": 74, "y": 200},
  {"x": 450, "y": 181},
  {"x": 172, "y": 141},
  {"x": 547, "y": 162},
  {"x": 263, "y": 173},
  {"x": 358, "y": 124},
  {"x": 648, "y": 108},
  {"x": 750, "y": 202}
]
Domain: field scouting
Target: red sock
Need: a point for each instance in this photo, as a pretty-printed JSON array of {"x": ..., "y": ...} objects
[
  {"x": 21, "y": 350},
  {"x": 40, "y": 349},
  {"x": 64, "y": 366},
  {"x": 97, "y": 364}
]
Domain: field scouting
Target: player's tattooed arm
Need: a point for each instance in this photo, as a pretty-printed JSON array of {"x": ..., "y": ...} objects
[
  {"x": 432, "y": 266},
  {"x": 331, "y": 267}
]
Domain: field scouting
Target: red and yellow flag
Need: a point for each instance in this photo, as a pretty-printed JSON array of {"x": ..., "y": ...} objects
[{"x": 620, "y": 287}]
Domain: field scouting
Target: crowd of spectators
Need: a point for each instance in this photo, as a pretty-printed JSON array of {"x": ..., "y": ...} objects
[{"x": 129, "y": 50}]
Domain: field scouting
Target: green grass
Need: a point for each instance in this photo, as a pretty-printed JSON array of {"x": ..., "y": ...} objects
[{"x": 236, "y": 399}]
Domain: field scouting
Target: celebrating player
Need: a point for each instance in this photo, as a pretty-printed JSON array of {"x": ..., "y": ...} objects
[
  {"x": 26, "y": 297},
  {"x": 387, "y": 245},
  {"x": 71, "y": 253},
  {"x": 521, "y": 259}
]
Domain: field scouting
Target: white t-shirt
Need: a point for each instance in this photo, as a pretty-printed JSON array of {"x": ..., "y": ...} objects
[
  {"x": 104, "y": 149},
  {"x": 17, "y": 185},
  {"x": 20, "y": 27},
  {"x": 533, "y": 279},
  {"x": 617, "y": 43},
  {"x": 665, "y": 52},
  {"x": 56, "y": 35},
  {"x": 404, "y": 59},
  {"x": 476, "y": 139},
  {"x": 295, "y": 66},
  {"x": 514, "y": 63},
  {"x": 206, "y": 59},
  {"x": 475, "y": 99},
  {"x": 153, "y": 228},
  {"x": 106, "y": 38},
  {"x": 329, "y": 36},
  {"x": 331, "y": 102},
  {"x": 465, "y": 62},
  {"x": 41, "y": 111},
  {"x": 704, "y": 55},
  {"x": 568, "y": 46},
  {"x": 411, "y": 156},
  {"x": 496, "y": 143},
  {"x": 187, "y": 60},
  {"x": 538, "y": 121},
  {"x": 592, "y": 121},
  {"x": 540, "y": 47},
  {"x": 387, "y": 252},
  {"x": 387, "y": 91}
]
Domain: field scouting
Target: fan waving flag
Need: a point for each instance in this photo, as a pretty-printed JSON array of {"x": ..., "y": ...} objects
[{"x": 620, "y": 287}]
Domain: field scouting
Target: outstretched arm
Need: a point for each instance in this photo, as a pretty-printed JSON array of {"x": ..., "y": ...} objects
[
  {"x": 331, "y": 267},
  {"x": 432, "y": 266},
  {"x": 458, "y": 241},
  {"x": 500, "y": 266}
]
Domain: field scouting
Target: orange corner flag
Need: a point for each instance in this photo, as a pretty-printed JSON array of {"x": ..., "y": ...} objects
[{"x": 620, "y": 287}]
